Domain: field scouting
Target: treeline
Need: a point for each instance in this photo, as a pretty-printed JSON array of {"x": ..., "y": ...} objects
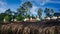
[{"x": 24, "y": 12}]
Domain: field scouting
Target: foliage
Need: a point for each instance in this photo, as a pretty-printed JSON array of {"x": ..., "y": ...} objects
[
  {"x": 19, "y": 18},
  {"x": 8, "y": 12},
  {"x": 25, "y": 9},
  {"x": 48, "y": 12},
  {"x": 27, "y": 5},
  {"x": 2, "y": 15},
  {"x": 24, "y": 12},
  {"x": 9, "y": 15},
  {"x": 33, "y": 17},
  {"x": 21, "y": 11},
  {"x": 39, "y": 12},
  {"x": 7, "y": 18},
  {"x": 52, "y": 12}
]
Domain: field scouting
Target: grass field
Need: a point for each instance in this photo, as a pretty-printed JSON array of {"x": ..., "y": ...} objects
[{"x": 41, "y": 27}]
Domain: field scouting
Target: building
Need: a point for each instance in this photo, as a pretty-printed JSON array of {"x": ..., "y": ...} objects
[
  {"x": 26, "y": 19},
  {"x": 57, "y": 14},
  {"x": 15, "y": 19},
  {"x": 32, "y": 19},
  {"x": 54, "y": 17},
  {"x": 47, "y": 18},
  {"x": 38, "y": 19}
]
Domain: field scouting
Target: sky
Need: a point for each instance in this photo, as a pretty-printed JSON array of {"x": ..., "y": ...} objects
[{"x": 14, "y": 4}]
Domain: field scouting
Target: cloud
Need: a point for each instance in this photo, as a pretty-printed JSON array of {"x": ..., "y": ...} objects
[
  {"x": 34, "y": 10},
  {"x": 58, "y": 2},
  {"x": 40, "y": 2},
  {"x": 2, "y": 10},
  {"x": 2, "y": 6},
  {"x": 2, "y": 3}
]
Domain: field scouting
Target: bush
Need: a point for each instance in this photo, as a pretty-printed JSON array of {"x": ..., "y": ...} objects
[
  {"x": 7, "y": 18},
  {"x": 19, "y": 18}
]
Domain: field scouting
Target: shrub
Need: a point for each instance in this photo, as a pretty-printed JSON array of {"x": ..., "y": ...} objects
[
  {"x": 7, "y": 18},
  {"x": 19, "y": 18}
]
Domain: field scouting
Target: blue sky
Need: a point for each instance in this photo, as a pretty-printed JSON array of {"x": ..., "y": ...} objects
[{"x": 14, "y": 4}]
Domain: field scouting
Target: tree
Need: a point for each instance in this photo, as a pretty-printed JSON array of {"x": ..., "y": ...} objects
[
  {"x": 8, "y": 12},
  {"x": 14, "y": 15},
  {"x": 51, "y": 12},
  {"x": 59, "y": 10},
  {"x": 19, "y": 18},
  {"x": 2, "y": 15},
  {"x": 7, "y": 18},
  {"x": 33, "y": 17},
  {"x": 39, "y": 12},
  {"x": 47, "y": 11},
  {"x": 25, "y": 8}
]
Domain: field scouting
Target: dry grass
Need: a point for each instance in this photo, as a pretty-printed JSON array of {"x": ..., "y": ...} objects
[{"x": 18, "y": 28}]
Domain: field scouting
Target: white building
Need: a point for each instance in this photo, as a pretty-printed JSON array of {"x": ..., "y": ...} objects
[
  {"x": 58, "y": 16},
  {"x": 4, "y": 20},
  {"x": 15, "y": 19},
  {"x": 26, "y": 19},
  {"x": 38, "y": 19},
  {"x": 47, "y": 18},
  {"x": 12, "y": 19},
  {"x": 54, "y": 17},
  {"x": 31, "y": 19}
]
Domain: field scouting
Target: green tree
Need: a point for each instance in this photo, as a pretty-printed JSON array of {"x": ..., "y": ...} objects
[
  {"x": 20, "y": 14},
  {"x": 39, "y": 12},
  {"x": 19, "y": 18},
  {"x": 59, "y": 10},
  {"x": 2, "y": 15},
  {"x": 47, "y": 11},
  {"x": 25, "y": 8},
  {"x": 21, "y": 11},
  {"x": 8, "y": 12},
  {"x": 33, "y": 17},
  {"x": 51, "y": 12},
  {"x": 7, "y": 18}
]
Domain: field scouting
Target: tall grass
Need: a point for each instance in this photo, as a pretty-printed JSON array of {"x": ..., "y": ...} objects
[{"x": 16, "y": 28}]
